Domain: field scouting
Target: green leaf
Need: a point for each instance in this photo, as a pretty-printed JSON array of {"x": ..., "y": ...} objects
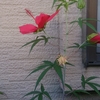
[
  {"x": 75, "y": 94},
  {"x": 58, "y": 70},
  {"x": 48, "y": 63},
  {"x": 37, "y": 40},
  {"x": 45, "y": 39},
  {"x": 47, "y": 94},
  {"x": 83, "y": 81},
  {"x": 58, "y": 6},
  {"x": 95, "y": 84},
  {"x": 80, "y": 22},
  {"x": 91, "y": 26},
  {"x": 91, "y": 78},
  {"x": 42, "y": 88},
  {"x": 72, "y": 2},
  {"x": 31, "y": 93},
  {"x": 34, "y": 43},
  {"x": 33, "y": 98},
  {"x": 76, "y": 45},
  {"x": 69, "y": 64},
  {"x": 42, "y": 66},
  {"x": 81, "y": 91},
  {"x": 28, "y": 43},
  {"x": 70, "y": 88},
  {"x": 2, "y": 93},
  {"x": 74, "y": 22},
  {"x": 54, "y": 1},
  {"x": 94, "y": 87},
  {"x": 40, "y": 97},
  {"x": 65, "y": 5},
  {"x": 42, "y": 75}
]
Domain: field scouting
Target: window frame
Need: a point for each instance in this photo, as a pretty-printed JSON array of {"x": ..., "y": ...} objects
[{"x": 90, "y": 55}]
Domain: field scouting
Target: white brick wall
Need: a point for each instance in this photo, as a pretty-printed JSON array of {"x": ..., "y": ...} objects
[{"x": 15, "y": 64}]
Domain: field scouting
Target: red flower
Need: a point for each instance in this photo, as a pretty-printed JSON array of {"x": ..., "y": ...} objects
[
  {"x": 40, "y": 20},
  {"x": 94, "y": 38}
]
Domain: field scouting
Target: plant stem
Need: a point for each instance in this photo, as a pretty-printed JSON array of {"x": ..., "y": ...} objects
[
  {"x": 64, "y": 72},
  {"x": 64, "y": 67}
]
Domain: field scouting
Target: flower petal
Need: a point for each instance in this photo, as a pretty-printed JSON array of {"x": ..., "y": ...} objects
[
  {"x": 95, "y": 39},
  {"x": 41, "y": 20},
  {"x": 53, "y": 15},
  {"x": 28, "y": 28}
]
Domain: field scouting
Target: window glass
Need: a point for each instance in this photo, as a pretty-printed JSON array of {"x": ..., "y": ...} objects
[{"x": 98, "y": 24}]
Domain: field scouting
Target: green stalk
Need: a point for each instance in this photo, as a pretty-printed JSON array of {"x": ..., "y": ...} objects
[
  {"x": 64, "y": 72},
  {"x": 64, "y": 67}
]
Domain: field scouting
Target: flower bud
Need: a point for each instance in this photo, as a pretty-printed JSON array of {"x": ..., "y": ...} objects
[
  {"x": 80, "y": 4},
  {"x": 62, "y": 60},
  {"x": 94, "y": 38}
]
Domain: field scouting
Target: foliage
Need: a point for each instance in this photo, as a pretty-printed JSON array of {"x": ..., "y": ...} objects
[
  {"x": 76, "y": 92},
  {"x": 93, "y": 85},
  {"x": 36, "y": 41},
  {"x": 39, "y": 94},
  {"x": 61, "y": 61},
  {"x": 47, "y": 65}
]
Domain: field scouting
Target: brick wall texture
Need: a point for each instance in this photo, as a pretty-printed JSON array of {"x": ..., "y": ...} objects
[{"x": 16, "y": 63}]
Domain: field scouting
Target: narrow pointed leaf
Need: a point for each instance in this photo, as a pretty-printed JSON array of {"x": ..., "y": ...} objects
[
  {"x": 95, "y": 84},
  {"x": 58, "y": 70},
  {"x": 83, "y": 81},
  {"x": 41, "y": 76},
  {"x": 35, "y": 42},
  {"x": 80, "y": 22},
  {"x": 72, "y": 2},
  {"x": 40, "y": 97},
  {"x": 2, "y": 93},
  {"x": 69, "y": 64},
  {"x": 47, "y": 94},
  {"x": 94, "y": 87},
  {"x": 73, "y": 47},
  {"x": 42, "y": 88},
  {"x": 68, "y": 86},
  {"x": 81, "y": 91},
  {"x": 33, "y": 98},
  {"x": 76, "y": 45},
  {"x": 45, "y": 39},
  {"x": 74, "y": 22},
  {"x": 54, "y": 1},
  {"x": 58, "y": 6},
  {"x": 75, "y": 94},
  {"x": 32, "y": 92},
  {"x": 42, "y": 66},
  {"x": 28, "y": 43},
  {"x": 91, "y": 78},
  {"x": 48, "y": 63},
  {"x": 91, "y": 26}
]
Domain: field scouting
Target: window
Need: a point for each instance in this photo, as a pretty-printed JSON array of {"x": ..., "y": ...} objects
[{"x": 91, "y": 55}]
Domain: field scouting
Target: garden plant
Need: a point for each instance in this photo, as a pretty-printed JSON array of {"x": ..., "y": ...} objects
[{"x": 60, "y": 63}]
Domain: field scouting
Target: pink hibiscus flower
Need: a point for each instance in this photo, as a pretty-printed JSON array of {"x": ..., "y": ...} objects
[{"x": 40, "y": 20}]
